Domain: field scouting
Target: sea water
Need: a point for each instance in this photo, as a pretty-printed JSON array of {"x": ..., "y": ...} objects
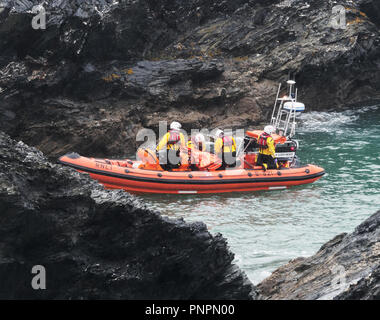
[{"x": 266, "y": 229}]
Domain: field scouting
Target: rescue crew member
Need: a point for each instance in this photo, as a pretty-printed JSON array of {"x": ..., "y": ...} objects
[
  {"x": 225, "y": 149},
  {"x": 168, "y": 148},
  {"x": 267, "y": 156}
]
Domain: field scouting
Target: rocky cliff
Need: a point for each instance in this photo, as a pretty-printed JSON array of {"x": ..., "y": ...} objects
[
  {"x": 103, "y": 69},
  {"x": 347, "y": 267},
  {"x": 99, "y": 244}
]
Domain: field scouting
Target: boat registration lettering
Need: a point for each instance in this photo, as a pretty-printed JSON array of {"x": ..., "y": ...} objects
[{"x": 103, "y": 166}]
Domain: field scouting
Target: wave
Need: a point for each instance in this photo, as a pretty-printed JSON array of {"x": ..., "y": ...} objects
[{"x": 315, "y": 121}]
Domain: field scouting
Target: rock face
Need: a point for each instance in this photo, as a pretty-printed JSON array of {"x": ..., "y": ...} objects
[
  {"x": 103, "y": 69},
  {"x": 99, "y": 244},
  {"x": 366, "y": 289},
  {"x": 347, "y": 267}
]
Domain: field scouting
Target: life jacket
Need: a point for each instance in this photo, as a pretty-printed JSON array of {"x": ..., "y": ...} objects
[
  {"x": 174, "y": 137},
  {"x": 262, "y": 141},
  {"x": 227, "y": 141}
]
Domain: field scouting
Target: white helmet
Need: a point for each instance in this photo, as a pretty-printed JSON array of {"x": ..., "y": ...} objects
[
  {"x": 218, "y": 133},
  {"x": 269, "y": 129},
  {"x": 199, "y": 138},
  {"x": 175, "y": 125}
]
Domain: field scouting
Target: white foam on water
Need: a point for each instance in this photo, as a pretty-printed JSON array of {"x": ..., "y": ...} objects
[
  {"x": 367, "y": 108},
  {"x": 265, "y": 274},
  {"x": 325, "y": 121},
  {"x": 315, "y": 121}
]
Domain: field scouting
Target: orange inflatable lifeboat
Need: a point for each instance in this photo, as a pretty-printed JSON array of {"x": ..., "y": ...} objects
[
  {"x": 204, "y": 175},
  {"x": 146, "y": 176}
]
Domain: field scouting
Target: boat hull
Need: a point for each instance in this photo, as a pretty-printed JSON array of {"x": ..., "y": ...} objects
[{"x": 190, "y": 182}]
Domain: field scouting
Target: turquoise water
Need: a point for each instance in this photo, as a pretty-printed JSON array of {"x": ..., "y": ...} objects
[{"x": 267, "y": 229}]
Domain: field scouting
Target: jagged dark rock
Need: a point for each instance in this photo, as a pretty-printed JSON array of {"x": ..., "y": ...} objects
[
  {"x": 347, "y": 267},
  {"x": 366, "y": 289},
  {"x": 100, "y": 244},
  {"x": 104, "y": 69}
]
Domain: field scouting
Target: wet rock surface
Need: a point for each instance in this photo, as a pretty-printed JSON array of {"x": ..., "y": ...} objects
[
  {"x": 104, "y": 69},
  {"x": 366, "y": 289},
  {"x": 347, "y": 267},
  {"x": 100, "y": 244}
]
